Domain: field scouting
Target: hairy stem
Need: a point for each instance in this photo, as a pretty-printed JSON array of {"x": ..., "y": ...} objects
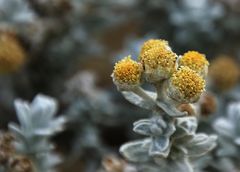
[{"x": 141, "y": 92}]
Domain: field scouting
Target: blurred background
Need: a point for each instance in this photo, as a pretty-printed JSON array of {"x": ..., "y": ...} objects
[{"x": 67, "y": 49}]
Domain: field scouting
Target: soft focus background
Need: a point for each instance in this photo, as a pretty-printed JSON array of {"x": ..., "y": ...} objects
[{"x": 67, "y": 49}]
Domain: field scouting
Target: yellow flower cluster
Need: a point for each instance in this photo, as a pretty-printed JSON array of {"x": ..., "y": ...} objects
[
  {"x": 158, "y": 63},
  {"x": 195, "y": 61},
  {"x": 12, "y": 55},
  {"x": 186, "y": 85},
  {"x": 127, "y": 73}
]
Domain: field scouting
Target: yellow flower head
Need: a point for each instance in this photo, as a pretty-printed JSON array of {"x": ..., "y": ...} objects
[
  {"x": 12, "y": 55},
  {"x": 151, "y": 43},
  {"x": 186, "y": 85},
  {"x": 195, "y": 61},
  {"x": 159, "y": 63},
  {"x": 224, "y": 73},
  {"x": 127, "y": 73}
]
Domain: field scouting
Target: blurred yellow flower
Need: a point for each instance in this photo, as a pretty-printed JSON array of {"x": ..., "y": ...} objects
[
  {"x": 224, "y": 73},
  {"x": 12, "y": 54}
]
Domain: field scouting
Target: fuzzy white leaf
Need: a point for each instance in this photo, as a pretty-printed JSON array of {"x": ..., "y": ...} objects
[
  {"x": 136, "y": 151},
  {"x": 139, "y": 101},
  {"x": 201, "y": 144},
  {"x": 23, "y": 113},
  {"x": 224, "y": 127},
  {"x": 143, "y": 127},
  {"x": 181, "y": 165},
  {"x": 185, "y": 126},
  {"x": 160, "y": 146}
]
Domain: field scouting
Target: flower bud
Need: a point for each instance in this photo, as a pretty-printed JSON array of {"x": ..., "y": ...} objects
[
  {"x": 153, "y": 43},
  {"x": 159, "y": 63},
  {"x": 185, "y": 85},
  {"x": 127, "y": 74},
  {"x": 195, "y": 61}
]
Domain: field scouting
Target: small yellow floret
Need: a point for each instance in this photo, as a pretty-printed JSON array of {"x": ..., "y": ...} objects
[
  {"x": 159, "y": 63},
  {"x": 127, "y": 71},
  {"x": 151, "y": 44},
  {"x": 195, "y": 61},
  {"x": 159, "y": 56},
  {"x": 12, "y": 55},
  {"x": 188, "y": 84}
]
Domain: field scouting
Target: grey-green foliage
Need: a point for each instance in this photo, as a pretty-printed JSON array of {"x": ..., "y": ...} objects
[
  {"x": 88, "y": 107},
  {"x": 171, "y": 136},
  {"x": 15, "y": 11},
  {"x": 2, "y": 169},
  {"x": 193, "y": 17},
  {"x": 228, "y": 129},
  {"x": 37, "y": 125}
]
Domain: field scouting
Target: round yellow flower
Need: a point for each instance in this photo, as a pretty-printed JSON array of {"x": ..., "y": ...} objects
[
  {"x": 12, "y": 54},
  {"x": 195, "y": 61},
  {"x": 127, "y": 73},
  {"x": 151, "y": 43},
  {"x": 185, "y": 85},
  {"x": 224, "y": 73},
  {"x": 159, "y": 63}
]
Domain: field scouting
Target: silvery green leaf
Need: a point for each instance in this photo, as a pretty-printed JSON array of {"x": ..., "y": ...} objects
[
  {"x": 143, "y": 127},
  {"x": 158, "y": 127},
  {"x": 44, "y": 106},
  {"x": 181, "y": 148},
  {"x": 23, "y": 113},
  {"x": 37, "y": 124},
  {"x": 151, "y": 167},
  {"x": 170, "y": 130},
  {"x": 234, "y": 116},
  {"x": 54, "y": 126},
  {"x": 43, "y": 132},
  {"x": 224, "y": 127},
  {"x": 227, "y": 148},
  {"x": 160, "y": 146},
  {"x": 233, "y": 112},
  {"x": 185, "y": 126},
  {"x": 201, "y": 144},
  {"x": 21, "y": 148},
  {"x": 170, "y": 109},
  {"x": 16, "y": 130},
  {"x": 42, "y": 109},
  {"x": 237, "y": 141},
  {"x": 162, "y": 127},
  {"x": 139, "y": 101},
  {"x": 200, "y": 163},
  {"x": 224, "y": 165},
  {"x": 161, "y": 162},
  {"x": 136, "y": 151},
  {"x": 49, "y": 161},
  {"x": 181, "y": 165},
  {"x": 155, "y": 126},
  {"x": 37, "y": 146},
  {"x": 184, "y": 139}
]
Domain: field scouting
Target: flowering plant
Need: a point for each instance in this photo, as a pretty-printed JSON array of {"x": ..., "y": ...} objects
[{"x": 171, "y": 134}]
